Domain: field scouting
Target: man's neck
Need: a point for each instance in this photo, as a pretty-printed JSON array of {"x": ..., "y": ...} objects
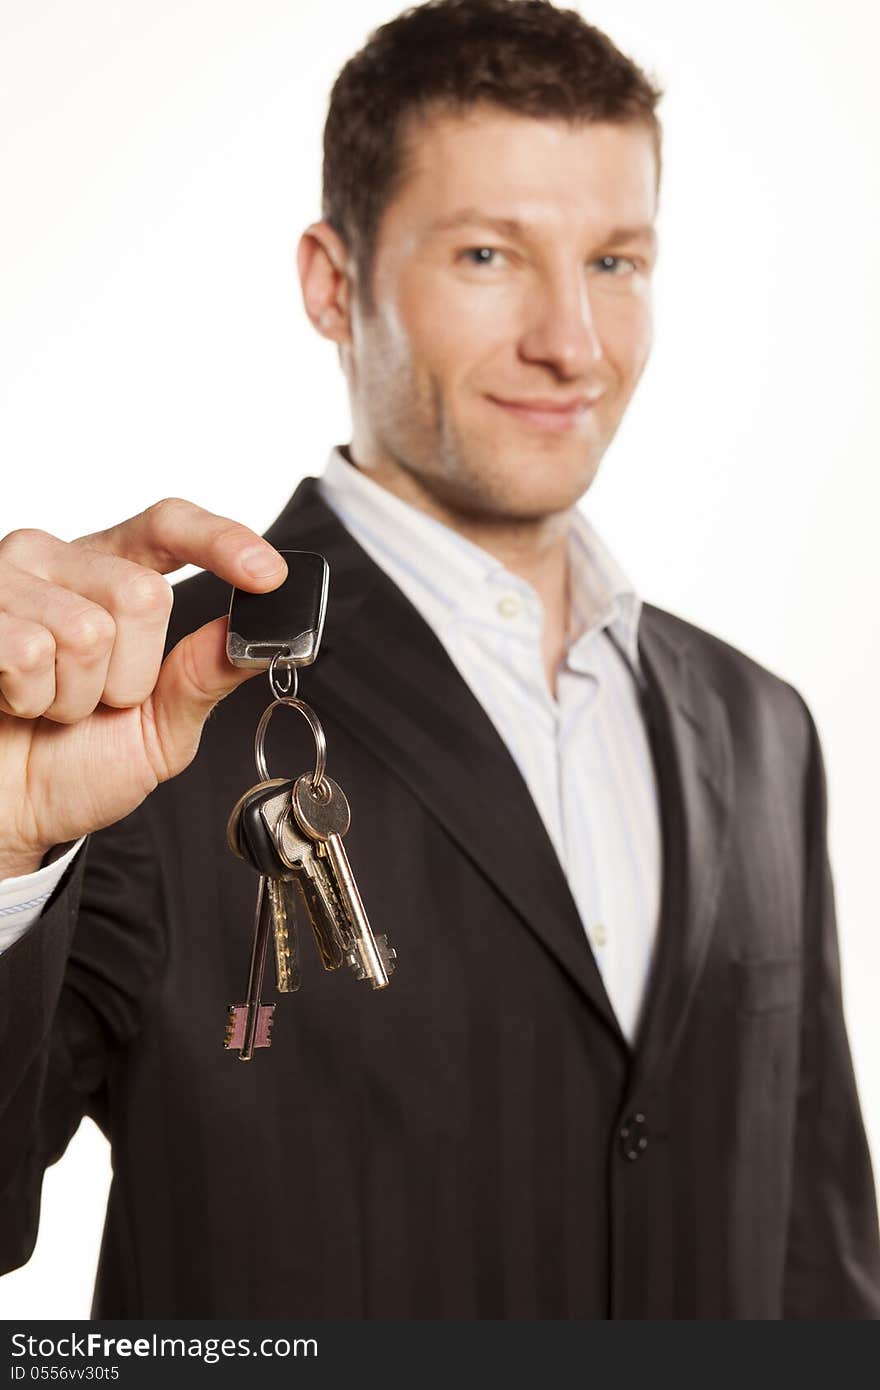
[{"x": 536, "y": 550}]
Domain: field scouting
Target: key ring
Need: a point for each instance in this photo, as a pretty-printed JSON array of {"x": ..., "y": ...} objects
[
  {"x": 280, "y": 691},
  {"x": 318, "y": 785}
]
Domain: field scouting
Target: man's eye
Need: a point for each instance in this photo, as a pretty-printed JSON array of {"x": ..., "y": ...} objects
[
  {"x": 611, "y": 263},
  {"x": 481, "y": 255}
]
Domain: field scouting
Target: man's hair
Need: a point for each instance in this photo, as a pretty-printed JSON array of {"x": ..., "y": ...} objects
[{"x": 525, "y": 56}]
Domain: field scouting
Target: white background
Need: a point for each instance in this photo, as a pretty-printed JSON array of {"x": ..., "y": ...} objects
[{"x": 157, "y": 162}]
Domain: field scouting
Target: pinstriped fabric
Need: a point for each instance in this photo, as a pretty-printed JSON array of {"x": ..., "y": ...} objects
[{"x": 584, "y": 753}]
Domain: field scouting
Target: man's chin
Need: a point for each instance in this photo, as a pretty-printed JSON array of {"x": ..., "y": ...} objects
[
  {"x": 540, "y": 487},
  {"x": 520, "y": 501},
  {"x": 486, "y": 477}
]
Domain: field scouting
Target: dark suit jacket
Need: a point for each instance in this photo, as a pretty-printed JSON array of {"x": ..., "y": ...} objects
[{"x": 478, "y": 1140}]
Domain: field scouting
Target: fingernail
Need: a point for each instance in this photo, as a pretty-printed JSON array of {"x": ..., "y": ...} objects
[{"x": 261, "y": 562}]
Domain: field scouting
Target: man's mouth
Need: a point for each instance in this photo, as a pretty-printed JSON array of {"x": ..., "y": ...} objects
[{"x": 546, "y": 412}]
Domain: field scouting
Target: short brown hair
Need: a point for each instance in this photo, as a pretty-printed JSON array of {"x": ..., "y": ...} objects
[{"x": 526, "y": 56}]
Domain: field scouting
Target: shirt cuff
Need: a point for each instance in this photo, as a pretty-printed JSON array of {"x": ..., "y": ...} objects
[{"x": 22, "y": 899}]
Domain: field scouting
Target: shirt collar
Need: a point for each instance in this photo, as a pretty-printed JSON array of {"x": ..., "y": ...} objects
[
  {"x": 452, "y": 580},
  {"x": 602, "y": 595}
]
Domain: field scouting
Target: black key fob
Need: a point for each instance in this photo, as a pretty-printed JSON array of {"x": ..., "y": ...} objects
[{"x": 286, "y": 623}]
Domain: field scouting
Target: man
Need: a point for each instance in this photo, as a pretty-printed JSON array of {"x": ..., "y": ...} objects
[{"x": 610, "y": 1076}]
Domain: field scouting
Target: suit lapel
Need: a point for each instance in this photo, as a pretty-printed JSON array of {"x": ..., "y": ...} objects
[
  {"x": 386, "y": 677},
  {"x": 690, "y": 736}
]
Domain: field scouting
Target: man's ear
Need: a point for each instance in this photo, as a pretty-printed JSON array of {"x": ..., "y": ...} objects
[{"x": 323, "y": 263}]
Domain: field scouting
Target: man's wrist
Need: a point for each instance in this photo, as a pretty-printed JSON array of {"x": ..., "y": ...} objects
[
  {"x": 17, "y": 865},
  {"x": 20, "y": 863}
]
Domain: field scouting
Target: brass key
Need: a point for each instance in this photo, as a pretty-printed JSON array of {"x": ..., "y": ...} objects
[
  {"x": 324, "y": 816},
  {"x": 298, "y": 864},
  {"x": 250, "y": 834}
]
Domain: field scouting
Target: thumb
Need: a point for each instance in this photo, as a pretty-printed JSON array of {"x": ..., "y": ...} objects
[{"x": 194, "y": 677}]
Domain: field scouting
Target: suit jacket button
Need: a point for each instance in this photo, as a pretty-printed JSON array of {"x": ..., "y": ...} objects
[{"x": 632, "y": 1136}]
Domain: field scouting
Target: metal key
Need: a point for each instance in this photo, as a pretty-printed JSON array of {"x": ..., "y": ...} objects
[
  {"x": 297, "y": 863},
  {"x": 325, "y": 819},
  {"x": 262, "y": 831},
  {"x": 249, "y": 1025},
  {"x": 251, "y": 835}
]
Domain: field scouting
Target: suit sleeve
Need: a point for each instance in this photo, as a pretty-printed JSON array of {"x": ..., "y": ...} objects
[
  {"x": 832, "y": 1268},
  {"x": 72, "y": 993},
  {"x": 23, "y": 898}
]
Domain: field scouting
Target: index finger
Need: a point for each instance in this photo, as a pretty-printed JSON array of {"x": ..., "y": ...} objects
[{"x": 174, "y": 532}]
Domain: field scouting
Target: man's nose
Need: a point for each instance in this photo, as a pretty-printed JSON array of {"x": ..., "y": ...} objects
[{"x": 561, "y": 332}]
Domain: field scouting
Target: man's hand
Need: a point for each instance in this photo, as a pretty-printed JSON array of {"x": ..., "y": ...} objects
[{"x": 91, "y": 718}]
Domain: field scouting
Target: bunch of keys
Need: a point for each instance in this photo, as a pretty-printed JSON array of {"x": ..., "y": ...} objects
[{"x": 291, "y": 830}]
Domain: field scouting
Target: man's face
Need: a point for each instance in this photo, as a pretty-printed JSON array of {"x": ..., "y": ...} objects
[{"x": 511, "y": 314}]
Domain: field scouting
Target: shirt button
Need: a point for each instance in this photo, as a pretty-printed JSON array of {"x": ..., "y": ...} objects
[
  {"x": 599, "y": 935},
  {"x": 509, "y": 606}
]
